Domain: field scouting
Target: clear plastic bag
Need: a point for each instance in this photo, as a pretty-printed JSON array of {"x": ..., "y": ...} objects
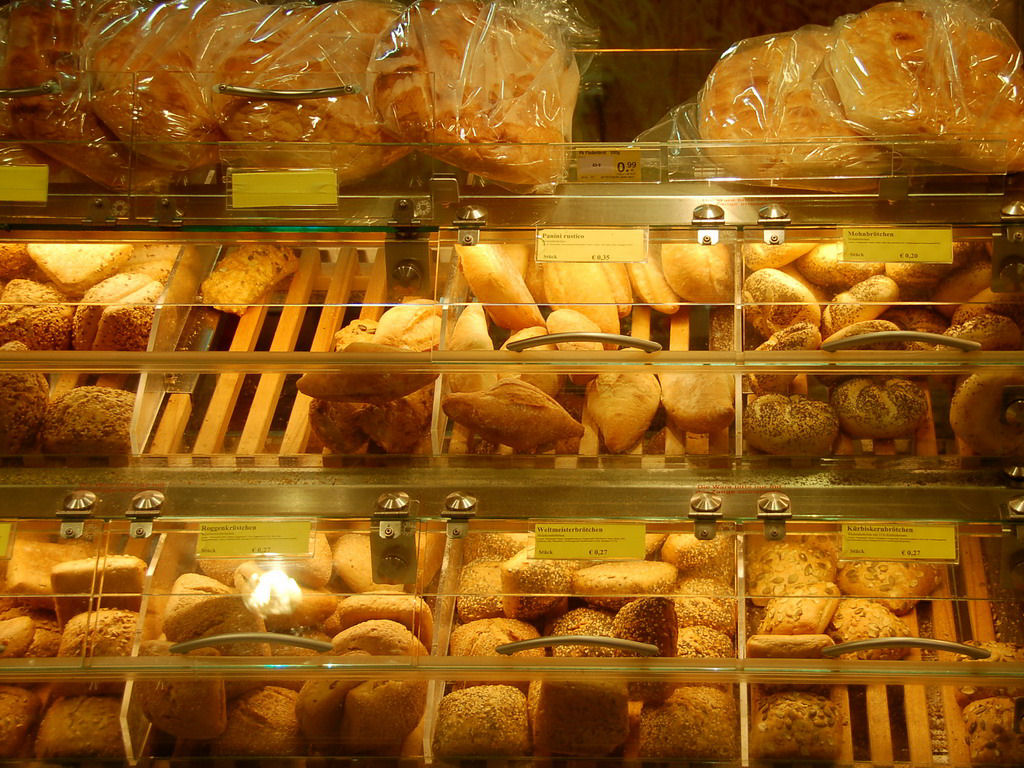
[
  {"x": 489, "y": 87},
  {"x": 299, "y": 48}
]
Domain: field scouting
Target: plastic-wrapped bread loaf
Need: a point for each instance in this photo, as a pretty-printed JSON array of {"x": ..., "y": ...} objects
[{"x": 489, "y": 86}]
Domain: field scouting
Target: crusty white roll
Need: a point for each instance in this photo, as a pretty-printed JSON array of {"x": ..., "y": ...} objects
[
  {"x": 824, "y": 266},
  {"x": 618, "y": 275},
  {"x": 991, "y": 331},
  {"x": 650, "y": 285},
  {"x": 470, "y": 335},
  {"x": 414, "y": 324},
  {"x": 699, "y": 402},
  {"x": 864, "y": 301},
  {"x": 976, "y": 415},
  {"x": 584, "y": 287},
  {"x": 494, "y": 277},
  {"x": 764, "y": 256},
  {"x": 878, "y": 407},
  {"x": 959, "y": 286},
  {"x": 793, "y": 425},
  {"x": 775, "y": 300},
  {"x": 699, "y": 273},
  {"x": 802, "y": 336},
  {"x": 548, "y": 383},
  {"x": 623, "y": 405},
  {"x": 571, "y": 321}
]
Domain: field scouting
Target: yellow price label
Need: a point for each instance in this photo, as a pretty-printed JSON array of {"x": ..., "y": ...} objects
[
  {"x": 283, "y": 189},
  {"x": 932, "y": 245},
  {"x": 24, "y": 183},
  {"x": 592, "y": 245},
  {"x": 930, "y": 542},
  {"x": 605, "y": 165},
  {"x": 589, "y": 541},
  {"x": 5, "y": 538},
  {"x": 245, "y": 538}
]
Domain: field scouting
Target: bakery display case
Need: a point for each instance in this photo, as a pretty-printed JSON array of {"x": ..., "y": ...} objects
[{"x": 374, "y": 390}]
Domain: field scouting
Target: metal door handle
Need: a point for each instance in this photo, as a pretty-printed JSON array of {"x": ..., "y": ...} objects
[
  {"x": 906, "y": 642},
  {"x": 646, "y": 649},
  {"x": 605, "y": 338},
  {"x": 251, "y": 637},
  {"x": 964, "y": 345},
  {"x": 269, "y": 93}
]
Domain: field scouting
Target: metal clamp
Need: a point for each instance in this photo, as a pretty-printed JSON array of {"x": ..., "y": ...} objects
[
  {"x": 272, "y": 94},
  {"x": 773, "y": 509},
  {"x": 1008, "y": 250},
  {"x": 705, "y": 511},
  {"x": 1013, "y": 405},
  {"x": 459, "y": 509},
  {"x": 146, "y": 507},
  {"x": 393, "y": 540},
  {"x": 76, "y": 508},
  {"x": 407, "y": 255},
  {"x": 1012, "y": 559},
  {"x": 1018, "y": 715},
  {"x": 252, "y": 637},
  {"x": 863, "y": 339},
  {"x": 708, "y": 217},
  {"x": 644, "y": 649},
  {"x": 604, "y": 338},
  {"x": 773, "y": 217},
  {"x": 469, "y": 222},
  {"x": 906, "y": 642},
  {"x": 49, "y": 88}
]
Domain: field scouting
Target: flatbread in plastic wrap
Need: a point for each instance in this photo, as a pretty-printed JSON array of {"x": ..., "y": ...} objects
[
  {"x": 768, "y": 112},
  {"x": 938, "y": 71},
  {"x": 147, "y": 86},
  {"x": 294, "y": 48},
  {"x": 490, "y": 87},
  {"x": 45, "y": 42}
]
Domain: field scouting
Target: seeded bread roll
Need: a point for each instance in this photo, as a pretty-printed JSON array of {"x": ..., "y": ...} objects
[
  {"x": 775, "y": 300},
  {"x": 795, "y": 726},
  {"x": 699, "y": 642},
  {"x": 623, "y": 406},
  {"x": 479, "y": 591},
  {"x": 699, "y": 402},
  {"x": 705, "y": 602},
  {"x": 19, "y": 712},
  {"x": 116, "y": 314},
  {"x": 864, "y": 328},
  {"x": 23, "y": 398},
  {"x": 866, "y": 300},
  {"x": 993, "y": 737},
  {"x": 988, "y": 302},
  {"x": 481, "y": 545},
  {"x": 697, "y": 722},
  {"x": 764, "y": 256},
  {"x": 916, "y": 319},
  {"x": 104, "y": 632},
  {"x": 379, "y": 714},
  {"x": 598, "y": 584},
  {"x": 246, "y": 275},
  {"x": 483, "y": 721},
  {"x": 186, "y": 708},
  {"x": 580, "y": 717},
  {"x": 896, "y": 585},
  {"x": 199, "y": 606},
  {"x": 691, "y": 555},
  {"x": 699, "y": 273},
  {"x": 1002, "y": 653},
  {"x": 89, "y": 420},
  {"x": 879, "y": 408},
  {"x": 531, "y": 588},
  {"x": 776, "y": 570},
  {"x": 75, "y": 268},
  {"x": 408, "y": 610},
  {"x": 976, "y": 415},
  {"x": 915, "y": 277},
  {"x": 81, "y": 726},
  {"x": 991, "y": 331},
  {"x": 793, "y": 425},
  {"x": 858, "y": 619},
  {"x": 802, "y": 336},
  {"x": 481, "y": 637},
  {"x": 16, "y": 636},
  {"x": 35, "y": 315},
  {"x": 261, "y": 722},
  {"x": 806, "y": 611},
  {"x": 581, "y": 621},
  {"x": 959, "y": 286},
  {"x": 15, "y": 261},
  {"x": 648, "y": 620},
  {"x": 824, "y": 266},
  {"x": 787, "y": 646}
]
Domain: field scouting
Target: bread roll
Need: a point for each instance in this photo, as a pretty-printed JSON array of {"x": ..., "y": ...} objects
[
  {"x": 512, "y": 413},
  {"x": 89, "y": 420},
  {"x": 493, "y": 545},
  {"x": 470, "y": 335},
  {"x": 864, "y": 301},
  {"x": 581, "y": 621},
  {"x": 199, "y": 606},
  {"x": 879, "y": 408},
  {"x": 864, "y": 328},
  {"x": 916, "y": 319},
  {"x": 586, "y": 288},
  {"x": 785, "y": 568},
  {"x": 623, "y": 406},
  {"x": 120, "y": 577},
  {"x": 188, "y": 709},
  {"x": 379, "y": 714},
  {"x": 414, "y": 324},
  {"x": 116, "y": 314},
  {"x": 911, "y": 276},
  {"x": 548, "y": 383},
  {"x": 19, "y": 712},
  {"x": 991, "y": 331},
  {"x": 807, "y": 610},
  {"x": 697, "y": 722},
  {"x": 699, "y": 273},
  {"x": 16, "y": 636},
  {"x": 705, "y": 602},
  {"x": 959, "y": 286},
  {"x": 33, "y": 556},
  {"x": 796, "y": 726},
  {"x": 482, "y": 721},
  {"x": 480, "y": 591},
  {"x": 602, "y": 584},
  {"x": 578, "y": 717},
  {"x": 15, "y": 261},
  {"x": 802, "y": 336},
  {"x": 787, "y": 646},
  {"x": 378, "y": 637},
  {"x": 701, "y": 642},
  {"x": 988, "y": 302},
  {"x": 369, "y": 387},
  {"x": 699, "y": 402},
  {"x": 531, "y": 587},
  {"x": 898, "y": 586},
  {"x": 408, "y": 610},
  {"x": 621, "y": 286},
  {"x": 495, "y": 281},
  {"x": 864, "y": 620},
  {"x": 976, "y": 415},
  {"x": 33, "y": 314},
  {"x": 692, "y": 555},
  {"x": 23, "y": 399},
  {"x": 824, "y": 266},
  {"x": 480, "y": 638},
  {"x": 261, "y": 722},
  {"x": 650, "y": 286},
  {"x": 571, "y": 321},
  {"x": 246, "y": 275},
  {"x": 353, "y": 564},
  {"x": 764, "y": 256},
  {"x": 74, "y": 269},
  {"x": 793, "y": 425},
  {"x": 649, "y": 620},
  {"x": 1001, "y": 653},
  {"x": 774, "y": 301},
  {"x": 81, "y": 726},
  {"x": 993, "y": 736}
]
